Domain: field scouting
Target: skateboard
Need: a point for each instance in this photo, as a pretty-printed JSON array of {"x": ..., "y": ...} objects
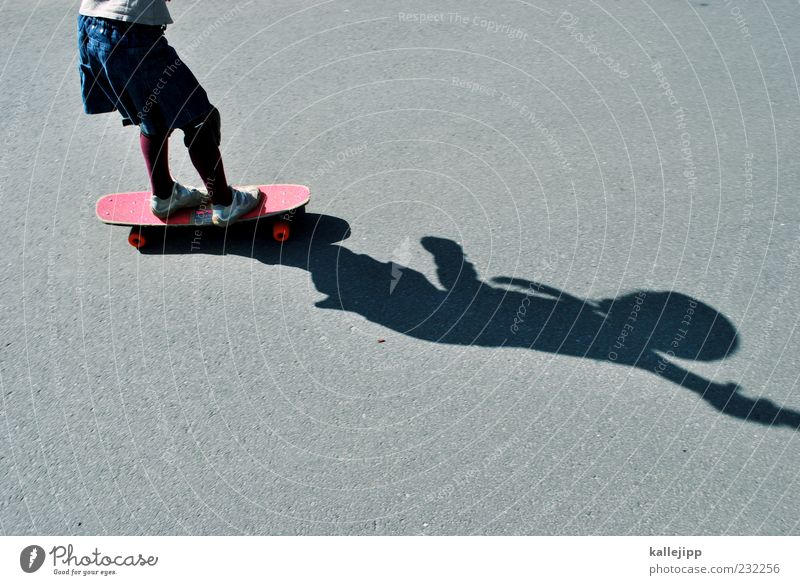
[{"x": 280, "y": 204}]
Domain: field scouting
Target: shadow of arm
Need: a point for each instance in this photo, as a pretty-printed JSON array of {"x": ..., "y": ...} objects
[
  {"x": 728, "y": 398},
  {"x": 533, "y": 287},
  {"x": 452, "y": 267}
]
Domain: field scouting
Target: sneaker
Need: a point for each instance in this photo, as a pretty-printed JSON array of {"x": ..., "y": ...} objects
[
  {"x": 244, "y": 201},
  {"x": 181, "y": 197}
]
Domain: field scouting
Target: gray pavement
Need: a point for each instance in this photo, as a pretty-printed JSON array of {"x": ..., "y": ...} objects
[{"x": 546, "y": 285}]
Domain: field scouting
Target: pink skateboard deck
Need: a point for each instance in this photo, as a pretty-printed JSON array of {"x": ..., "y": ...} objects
[{"x": 133, "y": 209}]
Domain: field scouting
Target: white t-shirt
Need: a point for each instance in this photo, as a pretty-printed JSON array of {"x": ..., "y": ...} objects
[{"x": 152, "y": 12}]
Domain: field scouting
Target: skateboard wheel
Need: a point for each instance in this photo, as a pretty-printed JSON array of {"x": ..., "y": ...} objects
[
  {"x": 280, "y": 231},
  {"x": 137, "y": 240}
]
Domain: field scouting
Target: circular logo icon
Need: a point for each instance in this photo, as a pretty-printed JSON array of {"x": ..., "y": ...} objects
[{"x": 31, "y": 558}]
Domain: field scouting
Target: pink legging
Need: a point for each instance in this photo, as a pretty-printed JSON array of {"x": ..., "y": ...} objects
[{"x": 202, "y": 138}]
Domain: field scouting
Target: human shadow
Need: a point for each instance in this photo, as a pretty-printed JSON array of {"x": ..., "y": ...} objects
[{"x": 643, "y": 329}]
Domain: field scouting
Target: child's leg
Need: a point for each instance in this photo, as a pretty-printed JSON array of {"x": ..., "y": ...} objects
[
  {"x": 155, "y": 150},
  {"x": 202, "y": 138}
]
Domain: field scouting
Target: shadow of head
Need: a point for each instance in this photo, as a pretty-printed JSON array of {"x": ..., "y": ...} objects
[{"x": 673, "y": 323}]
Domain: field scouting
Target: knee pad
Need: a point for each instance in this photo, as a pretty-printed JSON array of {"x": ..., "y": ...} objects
[{"x": 205, "y": 129}]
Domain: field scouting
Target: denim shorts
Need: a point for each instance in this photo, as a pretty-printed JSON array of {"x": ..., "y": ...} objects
[{"x": 132, "y": 69}]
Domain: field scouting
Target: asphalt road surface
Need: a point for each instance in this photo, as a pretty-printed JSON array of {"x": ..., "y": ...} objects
[{"x": 546, "y": 283}]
